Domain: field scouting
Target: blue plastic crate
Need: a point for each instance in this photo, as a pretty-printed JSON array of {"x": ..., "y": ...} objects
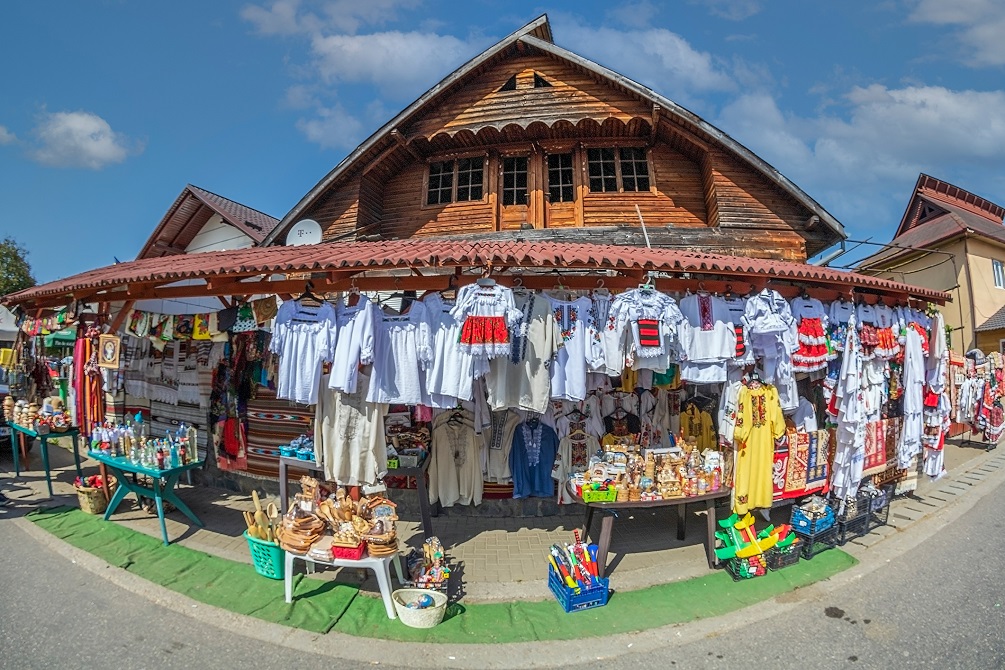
[
  {"x": 806, "y": 526},
  {"x": 586, "y": 598}
]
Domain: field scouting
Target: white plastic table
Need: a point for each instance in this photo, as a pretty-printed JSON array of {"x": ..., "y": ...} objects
[{"x": 381, "y": 569}]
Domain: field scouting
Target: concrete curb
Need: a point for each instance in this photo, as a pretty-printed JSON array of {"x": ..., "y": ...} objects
[{"x": 982, "y": 476}]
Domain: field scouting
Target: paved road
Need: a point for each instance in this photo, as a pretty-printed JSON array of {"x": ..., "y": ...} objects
[
  {"x": 939, "y": 606},
  {"x": 54, "y": 614}
]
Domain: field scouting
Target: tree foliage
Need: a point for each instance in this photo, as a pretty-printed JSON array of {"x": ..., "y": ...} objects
[{"x": 15, "y": 271}]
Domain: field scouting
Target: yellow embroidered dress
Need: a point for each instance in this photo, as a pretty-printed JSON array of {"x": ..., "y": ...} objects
[{"x": 759, "y": 422}]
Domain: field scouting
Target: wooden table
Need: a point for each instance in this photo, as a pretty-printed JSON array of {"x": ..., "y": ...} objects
[
  {"x": 419, "y": 472},
  {"x": 164, "y": 483},
  {"x": 610, "y": 510},
  {"x": 43, "y": 438}
]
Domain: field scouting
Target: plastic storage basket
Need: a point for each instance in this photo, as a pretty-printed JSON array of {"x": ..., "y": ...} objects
[
  {"x": 782, "y": 558},
  {"x": 571, "y": 601},
  {"x": 267, "y": 557},
  {"x": 419, "y": 618}
]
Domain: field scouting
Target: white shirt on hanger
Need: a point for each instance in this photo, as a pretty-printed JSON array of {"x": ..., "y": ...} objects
[
  {"x": 354, "y": 346},
  {"x": 304, "y": 337}
]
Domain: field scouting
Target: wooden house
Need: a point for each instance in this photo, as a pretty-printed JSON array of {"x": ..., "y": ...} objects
[
  {"x": 952, "y": 240},
  {"x": 529, "y": 140}
]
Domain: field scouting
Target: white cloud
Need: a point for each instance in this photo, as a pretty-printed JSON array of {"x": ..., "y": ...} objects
[
  {"x": 859, "y": 157},
  {"x": 332, "y": 128},
  {"x": 79, "y": 139},
  {"x": 980, "y": 25},
  {"x": 6, "y": 136},
  {"x": 282, "y": 17},
  {"x": 401, "y": 65},
  {"x": 299, "y": 96},
  {"x": 656, "y": 57},
  {"x": 634, "y": 14},
  {"x": 292, "y": 17},
  {"x": 732, "y": 10}
]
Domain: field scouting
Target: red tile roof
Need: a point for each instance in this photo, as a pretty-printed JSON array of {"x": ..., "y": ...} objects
[
  {"x": 190, "y": 212},
  {"x": 923, "y": 236},
  {"x": 420, "y": 254},
  {"x": 256, "y": 224}
]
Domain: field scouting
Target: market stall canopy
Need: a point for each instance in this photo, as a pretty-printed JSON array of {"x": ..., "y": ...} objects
[
  {"x": 65, "y": 336},
  {"x": 433, "y": 264},
  {"x": 8, "y": 325}
]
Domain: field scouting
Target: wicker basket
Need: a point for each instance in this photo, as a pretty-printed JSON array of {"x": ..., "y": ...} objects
[
  {"x": 92, "y": 500},
  {"x": 416, "y": 618}
]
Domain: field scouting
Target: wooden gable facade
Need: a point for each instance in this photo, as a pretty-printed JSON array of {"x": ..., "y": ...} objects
[{"x": 530, "y": 140}]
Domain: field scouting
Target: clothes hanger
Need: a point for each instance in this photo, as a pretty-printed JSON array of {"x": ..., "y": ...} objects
[
  {"x": 600, "y": 290},
  {"x": 308, "y": 294},
  {"x": 648, "y": 285},
  {"x": 518, "y": 287}
]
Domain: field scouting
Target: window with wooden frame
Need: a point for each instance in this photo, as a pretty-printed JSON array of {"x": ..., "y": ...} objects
[
  {"x": 613, "y": 170},
  {"x": 514, "y": 180},
  {"x": 456, "y": 181},
  {"x": 560, "y": 186},
  {"x": 634, "y": 169}
]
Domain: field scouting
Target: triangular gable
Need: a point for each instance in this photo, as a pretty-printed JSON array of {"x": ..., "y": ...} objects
[
  {"x": 537, "y": 34},
  {"x": 933, "y": 198},
  {"x": 191, "y": 210}
]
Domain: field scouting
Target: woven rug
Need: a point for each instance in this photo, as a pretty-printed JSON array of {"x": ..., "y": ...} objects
[{"x": 272, "y": 423}]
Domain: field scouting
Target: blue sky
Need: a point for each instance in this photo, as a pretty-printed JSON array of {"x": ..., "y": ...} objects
[{"x": 109, "y": 107}]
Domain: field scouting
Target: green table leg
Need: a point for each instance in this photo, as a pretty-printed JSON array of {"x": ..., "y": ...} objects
[
  {"x": 45, "y": 462},
  {"x": 169, "y": 494},
  {"x": 121, "y": 490},
  {"x": 15, "y": 447},
  {"x": 158, "y": 494},
  {"x": 76, "y": 454}
]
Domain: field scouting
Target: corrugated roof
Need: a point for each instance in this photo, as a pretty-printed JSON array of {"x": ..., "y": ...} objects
[
  {"x": 432, "y": 253},
  {"x": 996, "y": 322}
]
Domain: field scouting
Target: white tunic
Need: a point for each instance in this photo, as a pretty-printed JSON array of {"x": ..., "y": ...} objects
[
  {"x": 711, "y": 336},
  {"x": 451, "y": 371},
  {"x": 355, "y": 343},
  {"x": 402, "y": 352},
  {"x": 349, "y": 440},
  {"x": 581, "y": 349},
  {"x": 455, "y": 470},
  {"x": 914, "y": 400},
  {"x": 304, "y": 337},
  {"x": 522, "y": 380}
]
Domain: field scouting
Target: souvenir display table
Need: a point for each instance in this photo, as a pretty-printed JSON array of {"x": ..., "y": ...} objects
[
  {"x": 611, "y": 509},
  {"x": 164, "y": 483},
  {"x": 419, "y": 472},
  {"x": 381, "y": 567},
  {"x": 26, "y": 433}
]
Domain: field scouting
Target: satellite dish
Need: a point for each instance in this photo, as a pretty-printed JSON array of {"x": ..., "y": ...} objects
[{"x": 307, "y": 231}]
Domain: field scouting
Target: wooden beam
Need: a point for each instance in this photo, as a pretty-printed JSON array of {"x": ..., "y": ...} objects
[
  {"x": 406, "y": 145},
  {"x": 380, "y": 158},
  {"x": 121, "y": 316},
  {"x": 655, "y": 124}
]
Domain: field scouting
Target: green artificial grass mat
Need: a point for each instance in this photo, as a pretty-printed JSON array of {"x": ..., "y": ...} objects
[
  {"x": 322, "y": 605},
  {"x": 317, "y": 604},
  {"x": 677, "y": 602}
]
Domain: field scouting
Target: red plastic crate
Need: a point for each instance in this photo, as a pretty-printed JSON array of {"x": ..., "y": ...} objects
[{"x": 349, "y": 553}]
